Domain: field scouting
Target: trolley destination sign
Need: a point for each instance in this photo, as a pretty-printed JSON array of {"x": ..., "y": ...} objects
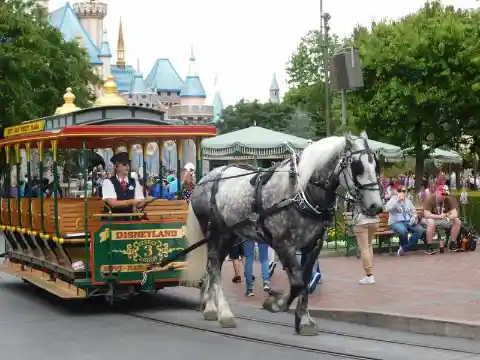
[
  {"x": 25, "y": 128},
  {"x": 133, "y": 246}
]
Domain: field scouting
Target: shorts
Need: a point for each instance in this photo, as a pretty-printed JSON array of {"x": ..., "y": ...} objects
[
  {"x": 440, "y": 223},
  {"x": 236, "y": 252},
  {"x": 443, "y": 224}
]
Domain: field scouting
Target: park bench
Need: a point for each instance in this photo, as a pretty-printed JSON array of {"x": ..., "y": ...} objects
[{"x": 383, "y": 233}]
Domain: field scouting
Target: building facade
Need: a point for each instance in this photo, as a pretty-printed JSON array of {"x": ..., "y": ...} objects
[{"x": 163, "y": 88}]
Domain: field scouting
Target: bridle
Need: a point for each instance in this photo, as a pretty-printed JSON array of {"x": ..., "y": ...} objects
[{"x": 332, "y": 182}]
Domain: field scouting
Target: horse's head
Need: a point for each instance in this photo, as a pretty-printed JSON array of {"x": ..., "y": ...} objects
[{"x": 359, "y": 169}]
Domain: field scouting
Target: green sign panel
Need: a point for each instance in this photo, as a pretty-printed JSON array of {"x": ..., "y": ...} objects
[{"x": 127, "y": 249}]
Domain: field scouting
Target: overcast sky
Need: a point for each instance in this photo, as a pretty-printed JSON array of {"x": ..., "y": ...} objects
[{"x": 245, "y": 41}]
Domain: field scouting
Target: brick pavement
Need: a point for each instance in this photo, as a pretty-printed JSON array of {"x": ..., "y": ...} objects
[{"x": 445, "y": 286}]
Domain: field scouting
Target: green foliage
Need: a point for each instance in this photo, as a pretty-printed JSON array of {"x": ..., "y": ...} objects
[
  {"x": 305, "y": 72},
  {"x": 305, "y": 67},
  {"x": 277, "y": 117},
  {"x": 37, "y": 65},
  {"x": 421, "y": 79}
]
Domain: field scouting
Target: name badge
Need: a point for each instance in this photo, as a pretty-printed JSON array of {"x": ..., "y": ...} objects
[{"x": 130, "y": 187}]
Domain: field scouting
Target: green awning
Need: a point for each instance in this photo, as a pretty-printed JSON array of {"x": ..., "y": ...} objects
[
  {"x": 390, "y": 152},
  {"x": 252, "y": 142}
]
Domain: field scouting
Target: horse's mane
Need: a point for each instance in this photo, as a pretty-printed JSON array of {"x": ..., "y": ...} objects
[{"x": 316, "y": 156}]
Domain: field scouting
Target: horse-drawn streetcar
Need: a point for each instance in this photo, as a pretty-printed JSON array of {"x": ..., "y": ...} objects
[{"x": 71, "y": 246}]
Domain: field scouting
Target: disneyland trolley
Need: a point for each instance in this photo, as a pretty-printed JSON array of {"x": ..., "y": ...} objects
[{"x": 67, "y": 244}]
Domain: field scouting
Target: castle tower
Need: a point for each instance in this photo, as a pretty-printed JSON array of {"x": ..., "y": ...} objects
[
  {"x": 44, "y": 3},
  {"x": 192, "y": 92},
  {"x": 105, "y": 55},
  {"x": 91, "y": 14},
  {"x": 120, "y": 47},
  {"x": 274, "y": 91}
]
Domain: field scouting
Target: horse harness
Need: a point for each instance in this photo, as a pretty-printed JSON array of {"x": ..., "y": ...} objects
[{"x": 259, "y": 213}]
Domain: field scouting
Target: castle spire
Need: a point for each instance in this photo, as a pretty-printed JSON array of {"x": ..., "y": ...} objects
[
  {"x": 274, "y": 90},
  {"x": 120, "y": 47},
  {"x": 192, "y": 87},
  {"x": 192, "y": 71}
]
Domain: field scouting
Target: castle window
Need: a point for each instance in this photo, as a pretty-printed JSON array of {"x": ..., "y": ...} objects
[{"x": 169, "y": 93}]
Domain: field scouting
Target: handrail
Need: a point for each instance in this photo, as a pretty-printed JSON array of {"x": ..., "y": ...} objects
[
  {"x": 118, "y": 215},
  {"x": 152, "y": 213}
]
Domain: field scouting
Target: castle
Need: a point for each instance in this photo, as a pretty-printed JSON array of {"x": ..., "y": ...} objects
[{"x": 162, "y": 89}]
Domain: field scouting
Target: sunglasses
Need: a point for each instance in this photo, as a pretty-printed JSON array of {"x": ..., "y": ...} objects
[{"x": 401, "y": 191}]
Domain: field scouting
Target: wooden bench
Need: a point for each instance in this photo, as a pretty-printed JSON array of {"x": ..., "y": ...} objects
[
  {"x": 71, "y": 216},
  {"x": 24, "y": 211},
  {"x": 384, "y": 233},
  {"x": 4, "y": 212},
  {"x": 14, "y": 211},
  {"x": 173, "y": 210}
]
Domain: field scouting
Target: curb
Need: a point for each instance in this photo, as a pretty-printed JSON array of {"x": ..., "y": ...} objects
[{"x": 398, "y": 322}]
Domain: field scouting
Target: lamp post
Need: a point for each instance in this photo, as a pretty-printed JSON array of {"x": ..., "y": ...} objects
[{"x": 324, "y": 25}]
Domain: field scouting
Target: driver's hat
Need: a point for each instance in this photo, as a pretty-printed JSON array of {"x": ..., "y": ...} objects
[{"x": 120, "y": 158}]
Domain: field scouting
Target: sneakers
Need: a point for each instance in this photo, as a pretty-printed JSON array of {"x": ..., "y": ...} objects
[
  {"x": 271, "y": 268},
  {"x": 400, "y": 251},
  {"x": 430, "y": 251},
  {"x": 266, "y": 286},
  {"x": 316, "y": 279},
  {"x": 367, "y": 280},
  {"x": 249, "y": 293}
]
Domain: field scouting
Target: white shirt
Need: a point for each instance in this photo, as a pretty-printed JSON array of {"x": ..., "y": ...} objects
[{"x": 108, "y": 190}]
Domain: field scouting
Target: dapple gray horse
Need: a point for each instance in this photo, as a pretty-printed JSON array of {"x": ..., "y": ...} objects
[{"x": 289, "y": 207}]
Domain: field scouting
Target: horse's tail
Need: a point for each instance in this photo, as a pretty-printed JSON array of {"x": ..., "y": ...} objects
[{"x": 196, "y": 259}]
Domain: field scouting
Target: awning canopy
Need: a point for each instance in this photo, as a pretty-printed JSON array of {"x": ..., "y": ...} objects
[
  {"x": 390, "y": 152},
  {"x": 252, "y": 142}
]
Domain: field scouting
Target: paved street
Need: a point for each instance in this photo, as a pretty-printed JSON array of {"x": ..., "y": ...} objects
[{"x": 36, "y": 325}]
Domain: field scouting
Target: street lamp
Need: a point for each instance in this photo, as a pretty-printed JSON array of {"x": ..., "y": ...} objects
[{"x": 324, "y": 22}]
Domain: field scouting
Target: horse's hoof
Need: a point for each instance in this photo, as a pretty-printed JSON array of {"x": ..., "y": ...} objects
[
  {"x": 210, "y": 312},
  {"x": 308, "y": 330},
  {"x": 271, "y": 304},
  {"x": 228, "y": 322}
]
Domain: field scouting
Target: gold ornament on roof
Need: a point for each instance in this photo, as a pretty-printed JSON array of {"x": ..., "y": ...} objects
[
  {"x": 68, "y": 106},
  {"x": 110, "y": 96}
]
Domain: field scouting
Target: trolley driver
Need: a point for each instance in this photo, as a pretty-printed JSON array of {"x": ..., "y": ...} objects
[{"x": 121, "y": 192}]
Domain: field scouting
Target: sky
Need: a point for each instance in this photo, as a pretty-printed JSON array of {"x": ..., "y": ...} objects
[{"x": 242, "y": 43}]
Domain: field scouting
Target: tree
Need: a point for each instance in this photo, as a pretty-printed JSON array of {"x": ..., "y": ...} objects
[
  {"x": 301, "y": 125},
  {"x": 37, "y": 65},
  {"x": 245, "y": 114},
  {"x": 421, "y": 79},
  {"x": 305, "y": 71}
]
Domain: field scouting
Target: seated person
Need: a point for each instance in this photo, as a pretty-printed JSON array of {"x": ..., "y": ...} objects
[
  {"x": 121, "y": 192},
  {"x": 161, "y": 190},
  {"x": 441, "y": 210},
  {"x": 402, "y": 218}
]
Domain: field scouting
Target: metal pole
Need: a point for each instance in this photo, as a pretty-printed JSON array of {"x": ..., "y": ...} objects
[
  {"x": 324, "y": 18},
  {"x": 344, "y": 109}
]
